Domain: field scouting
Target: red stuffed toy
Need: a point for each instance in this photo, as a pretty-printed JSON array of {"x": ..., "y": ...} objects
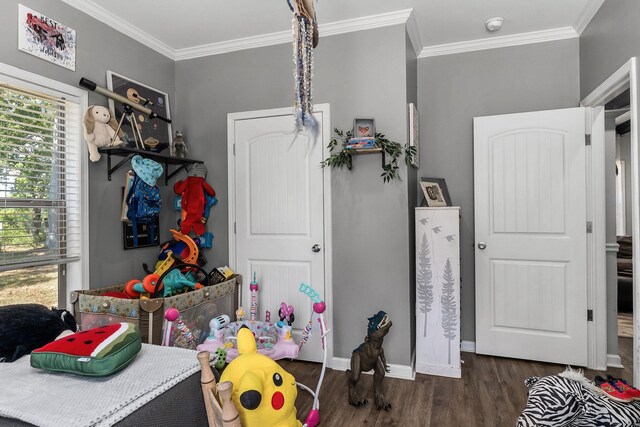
[{"x": 193, "y": 199}]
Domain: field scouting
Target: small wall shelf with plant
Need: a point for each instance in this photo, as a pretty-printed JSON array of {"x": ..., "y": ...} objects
[{"x": 343, "y": 146}]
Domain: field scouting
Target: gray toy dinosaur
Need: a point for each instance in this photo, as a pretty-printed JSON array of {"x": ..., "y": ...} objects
[{"x": 370, "y": 355}]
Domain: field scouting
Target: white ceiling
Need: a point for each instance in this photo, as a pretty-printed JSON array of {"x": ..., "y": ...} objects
[{"x": 172, "y": 27}]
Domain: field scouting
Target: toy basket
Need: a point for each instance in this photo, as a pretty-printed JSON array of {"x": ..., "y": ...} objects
[{"x": 196, "y": 308}]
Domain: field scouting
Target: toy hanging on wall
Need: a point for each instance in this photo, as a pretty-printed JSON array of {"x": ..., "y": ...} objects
[
  {"x": 100, "y": 130},
  {"x": 193, "y": 191},
  {"x": 305, "y": 39},
  {"x": 370, "y": 355}
]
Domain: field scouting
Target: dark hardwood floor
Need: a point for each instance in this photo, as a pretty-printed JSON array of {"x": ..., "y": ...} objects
[{"x": 490, "y": 393}]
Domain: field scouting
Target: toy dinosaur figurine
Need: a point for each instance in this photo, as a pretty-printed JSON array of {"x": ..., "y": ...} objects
[{"x": 370, "y": 355}]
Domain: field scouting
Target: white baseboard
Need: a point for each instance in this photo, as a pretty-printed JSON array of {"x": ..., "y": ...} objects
[
  {"x": 404, "y": 372},
  {"x": 441, "y": 371},
  {"x": 468, "y": 346},
  {"x": 614, "y": 361}
]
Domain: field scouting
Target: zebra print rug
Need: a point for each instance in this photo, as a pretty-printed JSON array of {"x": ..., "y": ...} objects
[{"x": 569, "y": 399}]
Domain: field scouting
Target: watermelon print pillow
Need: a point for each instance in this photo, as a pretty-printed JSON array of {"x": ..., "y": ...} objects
[{"x": 95, "y": 352}]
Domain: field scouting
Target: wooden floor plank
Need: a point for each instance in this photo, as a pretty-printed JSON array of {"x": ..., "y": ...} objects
[{"x": 490, "y": 393}]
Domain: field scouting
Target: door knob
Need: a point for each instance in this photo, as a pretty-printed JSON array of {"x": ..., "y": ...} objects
[
  {"x": 482, "y": 245},
  {"x": 316, "y": 248}
]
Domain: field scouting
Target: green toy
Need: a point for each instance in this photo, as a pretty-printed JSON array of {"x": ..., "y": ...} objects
[{"x": 221, "y": 358}]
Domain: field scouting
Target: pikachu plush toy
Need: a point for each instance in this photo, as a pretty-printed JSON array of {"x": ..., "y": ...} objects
[{"x": 263, "y": 392}]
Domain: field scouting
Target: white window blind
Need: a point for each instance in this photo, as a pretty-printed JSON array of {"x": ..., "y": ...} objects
[{"x": 40, "y": 208}]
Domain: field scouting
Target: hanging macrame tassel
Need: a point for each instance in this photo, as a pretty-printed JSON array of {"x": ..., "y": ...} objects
[{"x": 303, "y": 40}]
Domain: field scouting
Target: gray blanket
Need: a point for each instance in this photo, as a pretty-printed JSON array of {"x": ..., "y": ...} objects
[{"x": 55, "y": 399}]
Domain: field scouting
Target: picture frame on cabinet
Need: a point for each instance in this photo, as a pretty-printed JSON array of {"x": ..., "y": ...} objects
[{"x": 435, "y": 191}]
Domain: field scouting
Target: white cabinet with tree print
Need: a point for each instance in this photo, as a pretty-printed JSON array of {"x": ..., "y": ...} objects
[{"x": 438, "y": 291}]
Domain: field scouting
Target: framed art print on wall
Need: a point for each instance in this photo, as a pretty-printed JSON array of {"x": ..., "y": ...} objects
[
  {"x": 41, "y": 36},
  {"x": 154, "y": 99}
]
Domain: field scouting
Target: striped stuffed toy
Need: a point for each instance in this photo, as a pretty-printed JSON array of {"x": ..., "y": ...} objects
[{"x": 569, "y": 399}]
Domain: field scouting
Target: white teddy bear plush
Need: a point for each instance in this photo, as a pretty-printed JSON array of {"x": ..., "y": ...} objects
[{"x": 99, "y": 130}]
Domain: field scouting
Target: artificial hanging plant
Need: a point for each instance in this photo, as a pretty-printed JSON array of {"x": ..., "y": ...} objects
[{"x": 340, "y": 155}]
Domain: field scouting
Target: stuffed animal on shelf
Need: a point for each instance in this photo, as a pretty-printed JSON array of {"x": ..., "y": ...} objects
[
  {"x": 100, "y": 130},
  {"x": 25, "y": 327},
  {"x": 193, "y": 191},
  {"x": 178, "y": 147},
  {"x": 263, "y": 392}
]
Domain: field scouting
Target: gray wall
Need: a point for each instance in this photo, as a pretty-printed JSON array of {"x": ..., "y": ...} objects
[
  {"x": 412, "y": 184},
  {"x": 99, "y": 49},
  {"x": 610, "y": 39},
  {"x": 454, "y": 89},
  {"x": 360, "y": 74}
]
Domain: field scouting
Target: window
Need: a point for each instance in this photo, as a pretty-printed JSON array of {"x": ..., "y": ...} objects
[{"x": 42, "y": 205}]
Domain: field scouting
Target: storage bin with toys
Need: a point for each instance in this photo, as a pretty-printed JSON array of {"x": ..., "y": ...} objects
[{"x": 92, "y": 308}]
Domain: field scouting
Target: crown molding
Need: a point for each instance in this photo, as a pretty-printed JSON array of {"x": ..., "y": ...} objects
[
  {"x": 497, "y": 42},
  {"x": 414, "y": 33},
  {"x": 219, "y": 48},
  {"x": 282, "y": 37},
  {"x": 590, "y": 10},
  {"x": 405, "y": 16},
  {"x": 101, "y": 14}
]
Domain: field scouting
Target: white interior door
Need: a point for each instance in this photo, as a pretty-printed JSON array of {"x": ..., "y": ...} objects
[
  {"x": 279, "y": 217},
  {"x": 530, "y": 236}
]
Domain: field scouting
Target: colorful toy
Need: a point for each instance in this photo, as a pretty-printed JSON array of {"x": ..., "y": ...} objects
[
  {"x": 274, "y": 341},
  {"x": 221, "y": 358},
  {"x": 173, "y": 274},
  {"x": 286, "y": 313},
  {"x": 219, "y": 322},
  {"x": 193, "y": 191},
  {"x": 370, "y": 355},
  {"x": 263, "y": 392},
  {"x": 182, "y": 246},
  {"x": 173, "y": 315},
  {"x": 253, "y": 287},
  {"x": 255, "y": 386}
]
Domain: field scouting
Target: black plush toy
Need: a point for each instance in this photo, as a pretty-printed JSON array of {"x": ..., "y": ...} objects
[{"x": 25, "y": 327}]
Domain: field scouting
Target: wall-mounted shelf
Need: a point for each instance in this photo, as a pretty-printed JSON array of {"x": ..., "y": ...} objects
[
  {"x": 367, "y": 151},
  {"x": 163, "y": 159}
]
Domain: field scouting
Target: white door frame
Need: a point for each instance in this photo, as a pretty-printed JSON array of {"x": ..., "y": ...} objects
[
  {"x": 627, "y": 75},
  {"x": 328, "y": 248}
]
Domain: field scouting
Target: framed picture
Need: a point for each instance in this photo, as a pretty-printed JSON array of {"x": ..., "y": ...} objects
[
  {"x": 364, "y": 128},
  {"x": 435, "y": 192},
  {"x": 41, "y": 36},
  {"x": 414, "y": 133},
  {"x": 155, "y": 100}
]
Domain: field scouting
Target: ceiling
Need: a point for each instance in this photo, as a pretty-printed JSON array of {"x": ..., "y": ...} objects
[{"x": 199, "y": 27}]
